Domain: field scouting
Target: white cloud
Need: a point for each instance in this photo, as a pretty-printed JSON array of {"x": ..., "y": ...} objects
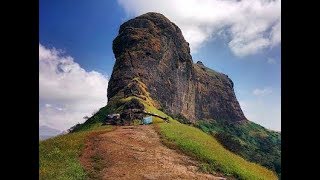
[
  {"x": 67, "y": 92},
  {"x": 252, "y": 25},
  {"x": 262, "y": 92},
  {"x": 276, "y": 34},
  {"x": 271, "y": 61}
]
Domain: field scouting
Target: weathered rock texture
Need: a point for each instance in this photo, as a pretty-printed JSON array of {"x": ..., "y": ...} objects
[{"x": 152, "y": 49}]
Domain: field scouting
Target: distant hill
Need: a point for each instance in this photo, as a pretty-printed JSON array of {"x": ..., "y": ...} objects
[{"x": 46, "y": 132}]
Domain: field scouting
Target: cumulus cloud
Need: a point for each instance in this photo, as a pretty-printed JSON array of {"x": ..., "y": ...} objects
[
  {"x": 251, "y": 25},
  {"x": 67, "y": 92},
  {"x": 262, "y": 92}
]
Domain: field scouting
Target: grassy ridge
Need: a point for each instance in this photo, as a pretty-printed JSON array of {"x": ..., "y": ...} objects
[
  {"x": 94, "y": 121},
  {"x": 59, "y": 156},
  {"x": 192, "y": 141},
  {"x": 204, "y": 147}
]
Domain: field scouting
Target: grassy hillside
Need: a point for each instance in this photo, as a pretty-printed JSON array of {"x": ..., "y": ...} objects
[
  {"x": 94, "y": 121},
  {"x": 59, "y": 156},
  {"x": 207, "y": 149},
  {"x": 249, "y": 140},
  {"x": 203, "y": 140}
]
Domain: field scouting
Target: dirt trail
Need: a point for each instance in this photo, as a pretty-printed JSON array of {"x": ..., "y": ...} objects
[{"x": 137, "y": 153}]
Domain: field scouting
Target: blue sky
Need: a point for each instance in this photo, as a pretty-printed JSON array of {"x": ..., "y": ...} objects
[{"x": 78, "y": 35}]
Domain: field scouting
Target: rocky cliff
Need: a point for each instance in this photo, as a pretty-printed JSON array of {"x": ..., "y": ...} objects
[{"x": 153, "y": 62}]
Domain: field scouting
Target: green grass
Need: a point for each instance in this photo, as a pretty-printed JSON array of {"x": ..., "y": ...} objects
[
  {"x": 59, "y": 156},
  {"x": 115, "y": 107},
  {"x": 200, "y": 144},
  {"x": 156, "y": 120},
  {"x": 97, "y": 167},
  {"x": 97, "y": 119},
  {"x": 249, "y": 140},
  {"x": 207, "y": 149}
]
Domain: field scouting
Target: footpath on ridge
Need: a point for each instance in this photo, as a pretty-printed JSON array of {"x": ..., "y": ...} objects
[{"x": 136, "y": 152}]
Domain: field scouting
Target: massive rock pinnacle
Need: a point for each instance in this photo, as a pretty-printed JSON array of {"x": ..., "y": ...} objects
[{"x": 150, "y": 49}]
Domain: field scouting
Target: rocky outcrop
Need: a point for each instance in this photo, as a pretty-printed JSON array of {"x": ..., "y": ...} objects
[{"x": 152, "y": 51}]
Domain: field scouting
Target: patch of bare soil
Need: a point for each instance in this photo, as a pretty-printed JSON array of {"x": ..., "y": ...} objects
[{"x": 136, "y": 152}]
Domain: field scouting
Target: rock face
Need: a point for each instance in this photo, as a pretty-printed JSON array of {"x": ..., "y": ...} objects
[{"x": 152, "y": 49}]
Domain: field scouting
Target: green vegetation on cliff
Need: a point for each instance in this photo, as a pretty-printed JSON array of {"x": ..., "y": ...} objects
[{"x": 249, "y": 140}]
